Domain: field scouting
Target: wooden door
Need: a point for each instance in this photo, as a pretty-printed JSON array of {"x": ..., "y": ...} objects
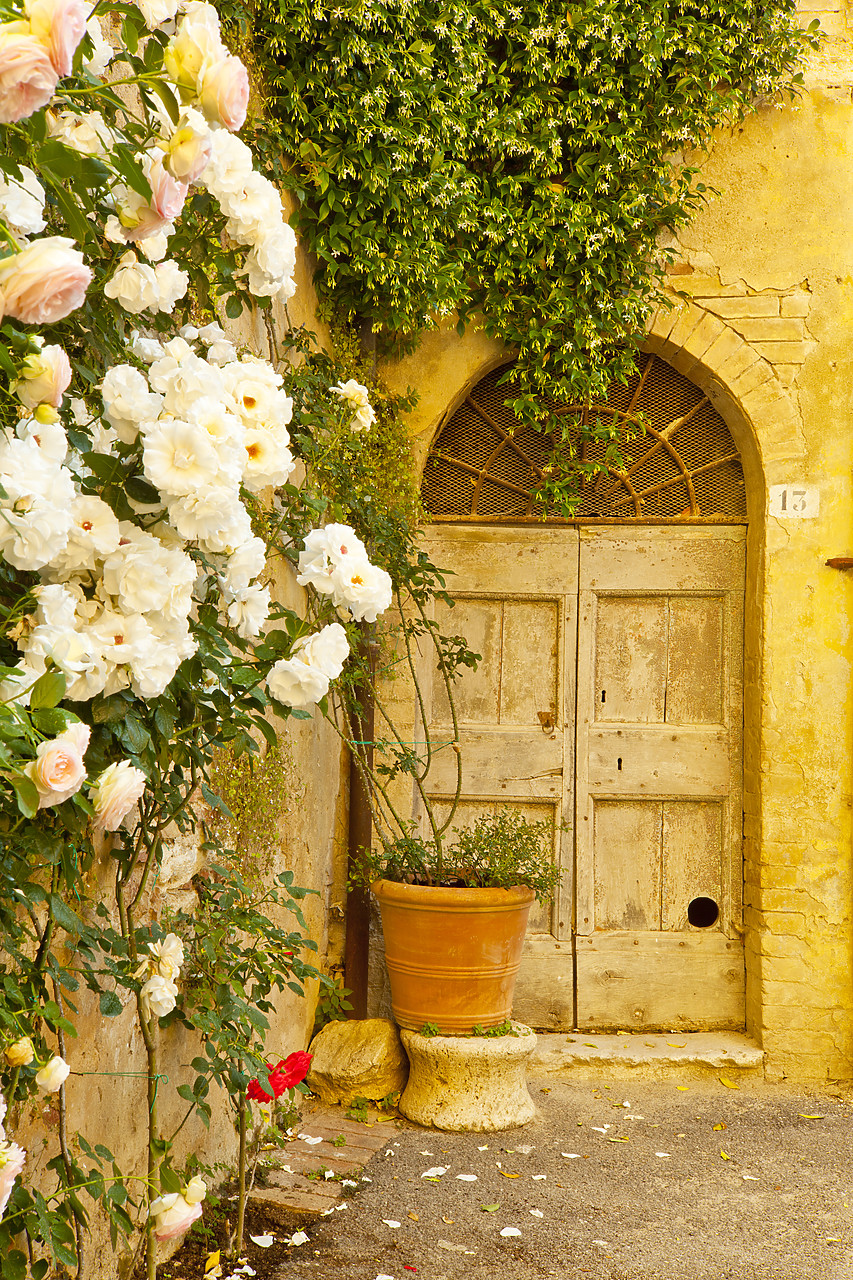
[
  {"x": 515, "y": 593},
  {"x": 658, "y": 813},
  {"x": 621, "y": 720}
]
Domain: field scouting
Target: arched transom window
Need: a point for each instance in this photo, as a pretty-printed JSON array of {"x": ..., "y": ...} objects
[{"x": 676, "y": 456}]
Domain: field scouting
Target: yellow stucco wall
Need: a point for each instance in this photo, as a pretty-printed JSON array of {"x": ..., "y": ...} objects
[{"x": 765, "y": 329}]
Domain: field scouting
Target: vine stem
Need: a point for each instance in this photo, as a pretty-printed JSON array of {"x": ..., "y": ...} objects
[
  {"x": 63, "y": 1137},
  {"x": 241, "y": 1173}
]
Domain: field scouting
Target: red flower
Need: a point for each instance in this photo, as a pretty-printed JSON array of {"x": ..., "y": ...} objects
[{"x": 283, "y": 1076}]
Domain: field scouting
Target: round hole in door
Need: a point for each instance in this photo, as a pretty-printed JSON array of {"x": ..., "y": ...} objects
[{"x": 702, "y": 913}]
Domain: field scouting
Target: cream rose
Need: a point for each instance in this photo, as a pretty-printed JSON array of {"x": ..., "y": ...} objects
[
  {"x": 115, "y": 793},
  {"x": 59, "y": 25},
  {"x": 27, "y": 76},
  {"x": 45, "y": 376},
  {"x": 189, "y": 149},
  {"x": 224, "y": 93},
  {"x": 44, "y": 282},
  {"x": 58, "y": 770},
  {"x": 21, "y": 1053},
  {"x": 52, "y": 1077},
  {"x": 172, "y": 1215}
]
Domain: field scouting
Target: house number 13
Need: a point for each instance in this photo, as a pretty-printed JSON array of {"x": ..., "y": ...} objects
[{"x": 794, "y": 501}]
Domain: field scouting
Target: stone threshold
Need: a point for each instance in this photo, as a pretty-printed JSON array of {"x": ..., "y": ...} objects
[{"x": 645, "y": 1055}]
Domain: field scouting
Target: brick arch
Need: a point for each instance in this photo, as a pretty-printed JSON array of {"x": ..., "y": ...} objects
[{"x": 742, "y": 386}]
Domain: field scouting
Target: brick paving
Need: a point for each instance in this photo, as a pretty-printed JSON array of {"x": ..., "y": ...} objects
[{"x": 290, "y": 1191}]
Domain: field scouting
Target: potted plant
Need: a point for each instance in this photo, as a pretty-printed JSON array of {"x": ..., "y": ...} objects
[{"x": 454, "y": 919}]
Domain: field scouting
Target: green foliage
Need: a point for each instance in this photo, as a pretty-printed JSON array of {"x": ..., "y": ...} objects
[
  {"x": 519, "y": 163},
  {"x": 491, "y": 1033},
  {"x": 501, "y": 850},
  {"x": 333, "y": 1004},
  {"x": 430, "y": 1029}
]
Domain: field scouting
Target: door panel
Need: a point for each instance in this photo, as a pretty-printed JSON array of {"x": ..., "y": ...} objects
[
  {"x": 618, "y": 648},
  {"x": 658, "y": 798}
]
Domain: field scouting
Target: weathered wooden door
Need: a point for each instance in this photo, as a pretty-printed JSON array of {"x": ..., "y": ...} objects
[{"x": 608, "y": 700}]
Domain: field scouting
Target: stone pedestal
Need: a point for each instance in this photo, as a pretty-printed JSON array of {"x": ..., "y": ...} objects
[{"x": 476, "y": 1083}]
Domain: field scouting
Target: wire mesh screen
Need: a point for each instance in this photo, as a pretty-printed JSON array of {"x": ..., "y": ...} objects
[{"x": 655, "y": 450}]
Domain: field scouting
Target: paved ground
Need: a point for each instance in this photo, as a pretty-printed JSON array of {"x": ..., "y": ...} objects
[{"x": 689, "y": 1181}]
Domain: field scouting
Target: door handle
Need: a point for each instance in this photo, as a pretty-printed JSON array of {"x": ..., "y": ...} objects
[{"x": 546, "y": 719}]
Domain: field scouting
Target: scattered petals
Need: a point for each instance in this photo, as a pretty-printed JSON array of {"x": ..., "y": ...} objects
[
  {"x": 414, "y": 1217},
  {"x": 682, "y": 1088},
  {"x": 571, "y": 1155},
  {"x": 730, "y": 1084},
  {"x": 504, "y": 1173},
  {"x": 389, "y": 1222},
  {"x": 662, "y": 1155},
  {"x": 750, "y": 1177},
  {"x": 539, "y": 1177},
  {"x": 306, "y": 1137},
  {"x": 490, "y": 1208},
  {"x": 426, "y": 1153},
  {"x": 537, "y": 1213},
  {"x": 804, "y": 1116},
  {"x": 485, "y": 1148},
  {"x": 263, "y": 1242},
  {"x": 723, "y": 1156},
  {"x": 673, "y": 1044},
  {"x": 510, "y": 1231},
  {"x": 436, "y": 1172},
  {"x": 466, "y": 1177},
  {"x": 718, "y": 1128}
]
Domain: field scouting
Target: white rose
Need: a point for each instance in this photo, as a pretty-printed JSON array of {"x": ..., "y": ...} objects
[
  {"x": 268, "y": 460},
  {"x": 158, "y": 997},
  {"x": 249, "y": 610},
  {"x": 20, "y": 1054},
  {"x": 362, "y": 588},
  {"x": 195, "y": 1191},
  {"x": 168, "y": 956},
  {"x": 245, "y": 563},
  {"x": 22, "y": 202},
  {"x": 156, "y": 12},
  {"x": 89, "y": 134},
  {"x": 52, "y": 1077},
  {"x": 327, "y": 649},
  {"x": 48, "y": 437},
  {"x": 178, "y": 457},
  {"x": 325, "y": 550},
  {"x": 134, "y": 285},
  {"x": 128, "y": 401},
  {"x": 214, "y": 517},
  {"x": 172, "y": 284},
  {"x": 296, "y": 683},
  {"x": 114, "y": 794},
  {"x": 102, "y": 52}
]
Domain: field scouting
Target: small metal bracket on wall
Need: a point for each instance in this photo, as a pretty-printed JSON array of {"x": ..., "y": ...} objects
[{"x": 840, "y": 562}]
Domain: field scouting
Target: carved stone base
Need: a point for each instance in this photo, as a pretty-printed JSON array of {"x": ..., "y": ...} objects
[{"x": 476, "y": 1083}]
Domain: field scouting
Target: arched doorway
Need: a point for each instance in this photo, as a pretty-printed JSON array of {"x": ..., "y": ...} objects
[{"x": 609, "y": 696}]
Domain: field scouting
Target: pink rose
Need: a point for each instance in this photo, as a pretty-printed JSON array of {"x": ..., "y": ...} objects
[
  {"x": 167, "y": 195},
  {"x": 45, "y": 376},
  {"x": 44, "y": 282},
  {"x": 59, "y": 25},
  {"x": 172, "y": 1215},
  {"x": 12, "y": 1159},
  {"x": 58, "y": 770},
  {"x": 224, "y": 92},
  {"x": 115, "y": 793},
  {"x": 27, "y": 75},
  {"x": 190, "y": 150}
]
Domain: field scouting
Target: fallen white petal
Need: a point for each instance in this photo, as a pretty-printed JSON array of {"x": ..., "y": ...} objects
[
  {"x": 342, "y": 1205},
  {"x": 600, "y": 1130},
  {"x": 306, "y": 1137},
  {"x": 603, "y": 1243},
  {"x": 664, "y": 1155},
  {"x": 299, "y": 1238},
  {"x": 537, "y": 1213},
  {"x": 348, "y": 1182},
  {"x": 328, "y": 1173},
  {"x": 426, "y": 1153},
  {"x": 285, "y": 1168},
  {"x": 389, "y": 1222},
  {"x": 435, "y": 1173},
  {"x": 466, "y": 1177},
  {"x": 539, "y": 1177},
  {"x": 365, "y": 1178},
  {"x": 750, "y": 1177},
  {"x": 571, "y": 1155},
  {"x": 384, "y": 1278},
  {"x": 627, "y": 1104},
  {"x": 510, "y": 1231},
  {"x": 485, "y": 1148},
  {"x": 635, "y": 1117},
  {"x": 263, "y": 1242}
]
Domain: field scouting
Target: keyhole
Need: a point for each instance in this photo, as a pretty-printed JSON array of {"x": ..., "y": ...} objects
[
  {"x": 619, "y": 764},
  {"x": 603, "y": 695}
]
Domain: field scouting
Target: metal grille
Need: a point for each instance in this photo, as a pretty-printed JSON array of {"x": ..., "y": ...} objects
[{"x": 676, "y": 457}]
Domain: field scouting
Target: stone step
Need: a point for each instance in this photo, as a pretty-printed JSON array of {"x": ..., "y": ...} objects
[{"x": 645, "y": 1055}]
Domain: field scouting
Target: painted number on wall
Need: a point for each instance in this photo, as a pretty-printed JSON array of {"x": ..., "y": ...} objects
[{"x": 794, "y": 501}]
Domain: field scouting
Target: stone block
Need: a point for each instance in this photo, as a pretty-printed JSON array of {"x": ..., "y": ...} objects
[
  {"x": 753, "y": 304},
  {"x": 795, "y": 304},
  {"x": 469, "y": 1083},
  {"x": 769, "y": 329},
  {"x": 357, "y": 1059},
  {"x": 784, "y": 353}
]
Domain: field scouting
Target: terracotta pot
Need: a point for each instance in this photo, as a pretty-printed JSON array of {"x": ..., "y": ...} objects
[{"x": 452, "y": 954}]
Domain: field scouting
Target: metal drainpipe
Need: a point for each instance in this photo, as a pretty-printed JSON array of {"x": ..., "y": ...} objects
[{"x": 359, "y": 832}]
